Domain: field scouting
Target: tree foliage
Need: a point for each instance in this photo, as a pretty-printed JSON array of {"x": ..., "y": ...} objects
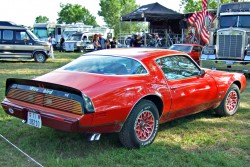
[
  {"x": 75, "y": 13},
  {"x": 112, "y": 10},
  {"x": 195, "y": 5},
  {"x": 42, "y": 19}
]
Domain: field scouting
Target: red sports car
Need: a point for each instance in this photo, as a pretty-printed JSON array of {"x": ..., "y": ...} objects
[
  {"x": 129, "y": 91},
  {"x": 193, "y": 50}
]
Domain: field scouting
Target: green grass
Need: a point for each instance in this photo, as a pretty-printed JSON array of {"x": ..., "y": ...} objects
[{"x": 199, "y": 140}]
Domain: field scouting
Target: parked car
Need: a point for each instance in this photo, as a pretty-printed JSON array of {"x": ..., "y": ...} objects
[
  {"x": 130, "y": 91},
  {"x": 78, "y": 41},
  {"x": 18, "y": 42},
  {"x": 193, "y": 50}
]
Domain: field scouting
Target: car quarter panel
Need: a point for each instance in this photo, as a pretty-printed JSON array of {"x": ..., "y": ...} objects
[{"x": 225, "y": 79}]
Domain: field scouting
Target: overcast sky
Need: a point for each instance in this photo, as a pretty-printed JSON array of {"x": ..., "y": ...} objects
[{"x": 25, "y": 11}]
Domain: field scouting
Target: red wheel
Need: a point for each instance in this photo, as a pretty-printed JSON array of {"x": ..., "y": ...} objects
[
  {"x": 229, "y": 105},
  {"x": 232, "y": 101},
  {"x": 141, "y": 126},
  {"x": 144, "y": 125}
]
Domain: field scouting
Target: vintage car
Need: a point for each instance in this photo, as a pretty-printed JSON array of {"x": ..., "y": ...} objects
[
  {"x": 130, "y": 91},
  {"x": 193, "y": 50}
]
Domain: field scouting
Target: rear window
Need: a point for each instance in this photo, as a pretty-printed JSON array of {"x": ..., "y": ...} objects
[{"x": 106, "y": 65}]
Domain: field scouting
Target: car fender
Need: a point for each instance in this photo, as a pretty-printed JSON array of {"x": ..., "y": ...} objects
[
  {"x": 146, "y": 97},
  {"x": 224, "y": 80}
]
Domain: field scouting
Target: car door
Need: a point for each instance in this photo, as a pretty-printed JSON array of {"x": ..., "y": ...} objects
[
  {"x": 23, "y": 44},
  {"x": 6, "y": 45},
  {"x": 190, "y": 92}
]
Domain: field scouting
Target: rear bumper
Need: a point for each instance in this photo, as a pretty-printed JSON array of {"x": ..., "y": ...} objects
[
  {"x": 226, "y": 65},
  {"x": 50, "y": 120},
  {"x": 62, "y": 122}
]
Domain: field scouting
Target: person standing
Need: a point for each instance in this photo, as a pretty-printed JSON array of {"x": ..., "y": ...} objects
[
  {"x": 53, "y": 42},
  {"x": 102, "y": 42},
  {"x": 96, "y": 42},
  {"x": 131, "y": 42},
  {"x": 62, "y": 40},
  {"x": 51, "y": 52},
  {"x": 113, "y": 43}
]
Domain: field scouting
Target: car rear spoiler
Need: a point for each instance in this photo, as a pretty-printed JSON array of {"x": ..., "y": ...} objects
[{"x": 41, "y": 84}]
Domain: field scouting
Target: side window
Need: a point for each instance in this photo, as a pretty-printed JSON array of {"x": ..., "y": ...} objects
[
  {"x": 59, "y": 31},
  {"x": 177, "y": 67},
  {"x": 7, "y": 34},
  {"x": 22, "y": 35},
  {"x": 197, "y": 49}
]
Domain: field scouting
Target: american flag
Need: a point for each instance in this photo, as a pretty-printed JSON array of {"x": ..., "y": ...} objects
[
  {"x": 204, "y": 4},
  {"x": 192, "y": 18},
  {"x": 198, "y": 20}
]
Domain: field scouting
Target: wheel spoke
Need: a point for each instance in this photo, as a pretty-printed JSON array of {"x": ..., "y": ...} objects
[
  {"x": 144, "y": 125},
  {"x": 232, "y": 101}
]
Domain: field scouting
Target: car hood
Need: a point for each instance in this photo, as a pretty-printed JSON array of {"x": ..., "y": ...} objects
[{"x": 88, "y": 83}]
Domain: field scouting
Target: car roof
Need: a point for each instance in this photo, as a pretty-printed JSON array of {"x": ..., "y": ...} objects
[{"x": 137, "y": 53}]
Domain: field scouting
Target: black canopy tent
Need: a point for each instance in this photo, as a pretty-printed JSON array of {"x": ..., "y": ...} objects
[
  {"x": 158, "y": 16},
  {"x": 152, "y": 12}
]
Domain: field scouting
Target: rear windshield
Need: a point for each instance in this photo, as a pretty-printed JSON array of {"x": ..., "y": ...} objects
[{"x": 107, "y": 65}]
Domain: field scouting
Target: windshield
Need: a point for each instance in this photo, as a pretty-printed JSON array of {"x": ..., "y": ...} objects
[
  {"x": 107, "y": 65},
  {"x": 41, "y": 32},
  {"x": 33, "y": 36},
  {"x": 182, "y": 48},
  {"x": 67, "y": 34},
  {"x": 244, "y": 21},
  {"x": 75, "y": 37},
  {"x": 235, "y": 21}
]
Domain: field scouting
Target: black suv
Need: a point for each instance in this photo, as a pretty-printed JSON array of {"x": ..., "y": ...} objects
[{"x": 18, "y": 42}]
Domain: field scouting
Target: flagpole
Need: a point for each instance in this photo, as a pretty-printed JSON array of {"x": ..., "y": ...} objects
[
  {"x": 218, "y": 7},
  {"x": 206, "y": 14}
]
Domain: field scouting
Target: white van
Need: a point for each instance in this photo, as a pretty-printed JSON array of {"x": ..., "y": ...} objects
[{"x": 78, "y": 41}]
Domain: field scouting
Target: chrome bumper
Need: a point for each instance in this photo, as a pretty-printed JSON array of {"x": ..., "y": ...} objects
[{"x": 226, "y": 65}]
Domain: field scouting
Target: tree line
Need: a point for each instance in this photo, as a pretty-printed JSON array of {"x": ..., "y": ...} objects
[{"x": 112, "y": 10}]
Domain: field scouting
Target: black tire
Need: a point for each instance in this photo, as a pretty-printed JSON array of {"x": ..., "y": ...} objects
[
  {"x": 81, "y": 49},
  {"x": 40, "y": 57},
  {"x": 145, "y": 118},
  {"x": 230, "y": 103}
]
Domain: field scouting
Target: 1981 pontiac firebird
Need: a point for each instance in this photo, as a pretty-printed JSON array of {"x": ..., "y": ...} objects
[{"x": 130, "y": 91}]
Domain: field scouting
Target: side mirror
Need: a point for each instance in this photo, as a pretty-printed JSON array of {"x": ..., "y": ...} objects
[{"x": 202, "y": 73}]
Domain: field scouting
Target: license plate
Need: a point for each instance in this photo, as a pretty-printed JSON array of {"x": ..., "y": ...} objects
[
  {"x": 229, "y": 62},
  {"x": 34, "y": 119}
]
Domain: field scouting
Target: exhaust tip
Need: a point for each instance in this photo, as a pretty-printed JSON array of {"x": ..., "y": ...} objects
[{"x": 95, "y": 137}]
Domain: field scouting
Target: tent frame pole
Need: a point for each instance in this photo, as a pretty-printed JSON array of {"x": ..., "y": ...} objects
[{"x": 145, "y": 35}]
